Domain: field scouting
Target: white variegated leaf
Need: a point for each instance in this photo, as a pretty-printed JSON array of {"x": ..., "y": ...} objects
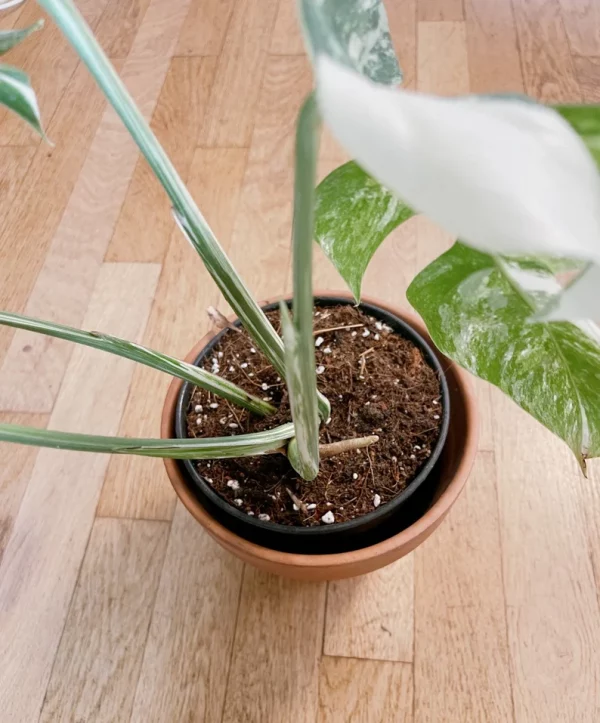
[
  {"x": 353, "y": 32},
  {"x": 506, "y": 176}
]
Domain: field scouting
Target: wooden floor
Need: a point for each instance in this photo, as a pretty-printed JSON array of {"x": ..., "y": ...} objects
[{"x": 114, "y": 605}]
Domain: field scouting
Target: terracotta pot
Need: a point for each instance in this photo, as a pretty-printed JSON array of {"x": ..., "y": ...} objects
[{"x": 455, "y": 464}]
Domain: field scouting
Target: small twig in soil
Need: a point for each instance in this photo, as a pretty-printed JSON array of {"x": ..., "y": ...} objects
[
  {"x": 336, "y": 328},
  {"x": 371, "y": 466},
  {"x": 346, "y": 445},
  {"x": 220, "y": 321},
  {"x": 298, "y": 502}
]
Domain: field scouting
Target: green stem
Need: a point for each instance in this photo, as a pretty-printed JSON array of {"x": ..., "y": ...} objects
[
  {"x": 143, "y": 355},
  {"x": 242, "y": 445}
]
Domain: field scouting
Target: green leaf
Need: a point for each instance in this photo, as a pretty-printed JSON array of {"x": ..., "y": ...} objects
[
  {"x": 142, "y": 355},
  {"x": 186, "y": 212},
  {"x": 10, "y": 38},
  {"x": 585, "y": 120},
  {"x": 478, "y": 310},
  {"x": 17, "y": 94},
  {"x": 353, "y": 32},
  {"x": 241, "y": 445},
  {"x": 354, "y": 214}
]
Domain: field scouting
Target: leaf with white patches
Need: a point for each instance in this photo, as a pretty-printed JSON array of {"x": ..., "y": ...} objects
[
  {"x": 353, "y": 32},
  {"x": 17, "y": 94},
  {"x": 506, "y": 176},
  {"x": 478, "y": 310},
  {"x": 10, "y": 38},
  {"x": 354, "y": 213}
]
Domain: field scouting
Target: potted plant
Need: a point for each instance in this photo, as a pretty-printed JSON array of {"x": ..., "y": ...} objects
[{"x": 338, "y": 448}]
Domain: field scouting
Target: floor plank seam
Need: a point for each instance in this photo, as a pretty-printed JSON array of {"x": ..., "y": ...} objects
[{"x": 233, "y": 637}]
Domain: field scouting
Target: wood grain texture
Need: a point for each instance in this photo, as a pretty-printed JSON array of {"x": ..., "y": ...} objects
[
  {"x": 17, "y": 464},
  {"x": 548, "y": 71},
  {"x": 460, "y": 621},
  {"x": 588, "y": 76},
  {"x": 582, "y": 24},
  {"x": 494, "y": 61},
  {"x": 204, "y": 29},
  {"x": 402, "y": 18},
  {"x": 63, "y": 287},
  {"x": 119, "y": 24},
  {"x": 39, "y": 204},
  {"x": 15, "y": 163},
  {"x": 239, "y": 76},
  {"x": 138, "y": 487},
  {"x": 274, "y": 673},
  {"x": 264, "y": 219},
  {"x": 94, "y": 675},
  {"x": 372, "y": 616},
  {"x": 436, "y": 10},
  {"x": 184, "y": 673},
  {"x": 365, "y": 691},
  {"x": 442, "y": 64},
  {"x": 552, "y": 606},
  {"x": 287, "y": 35},
  {"x": 48, "y": 59},
  {"x": 43, "y": 555},
  {"x": 145, "y": 222}
]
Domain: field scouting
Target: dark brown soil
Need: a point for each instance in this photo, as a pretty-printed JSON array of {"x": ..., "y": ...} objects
[{"x": 377, "y": 383}]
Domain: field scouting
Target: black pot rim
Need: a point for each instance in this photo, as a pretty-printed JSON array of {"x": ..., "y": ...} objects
[{"x": 199, "y": 484}]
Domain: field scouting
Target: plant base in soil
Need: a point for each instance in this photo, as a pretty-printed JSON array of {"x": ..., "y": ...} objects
[{"x": 377, "y": 383}]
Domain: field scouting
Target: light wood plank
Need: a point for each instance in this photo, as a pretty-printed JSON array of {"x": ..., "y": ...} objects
[
  {"x": 98, "y": 662},
  {"x": 588, "y": 76},
  {"x": 187, "y": 656},
  {"x": 287, "y": 36},
  {"x": 372, "y": 616},
  {"x": 265, "y": 216},
  {"x": 582, "y": 24},
  {"x": 442, "y": 64},
  {"x": 62, "y": 290},
  {"x": 50, "y": 62},
  {"x": 275, "y": 666},
  {"x": 365, "y": 691},
  {"x": 553, "y": 614},
  {"x": 11, "y": 18},
  {"x": 40, "y": 202},
  {"x": 15, "y": 163},
  {"x": 137, "y": 487},
  {"x": 494, "y": 61},
  {"x": 436, "y": 10},
  {"x": 145, "y": 222},
  {"x": 17, "y": 464},
  {"x": 119, "y": 24},
  {"x": 461, "y": 650},
  {"x": 41, "y": 561},
  {"x": 548, "y": 71},
  {"x": 203, "y": 32},
  {"x": 240, "y": 71}
]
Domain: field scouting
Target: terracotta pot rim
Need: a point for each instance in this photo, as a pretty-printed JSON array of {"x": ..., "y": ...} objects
[{"x": 329, "y": 561}]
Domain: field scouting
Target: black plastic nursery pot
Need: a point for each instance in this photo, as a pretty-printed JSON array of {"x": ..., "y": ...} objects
[{"x": 369, "y": 529}]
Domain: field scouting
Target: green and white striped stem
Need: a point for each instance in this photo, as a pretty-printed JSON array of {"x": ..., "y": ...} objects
[
  {"x": 197, "y": 230},
  {"x": 242, "y": 445},
  {"x": 142, "y": 355}
]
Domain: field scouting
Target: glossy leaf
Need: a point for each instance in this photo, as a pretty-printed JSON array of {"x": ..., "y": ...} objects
[
  {"x": 186, "y": 212},
  {"x": 585, "y": 120},
  {"x": 478, "y": 310},
  {"x": 157, "y": 360},
  {"x": 10, "y": 38},
  {"x": 505, "y": 176},
  {"x": 17, "y": 94},
  {"x": 353, "y": 32},
  {"x": 240, "y": 445},
  {"x": 354, "y": 214}
]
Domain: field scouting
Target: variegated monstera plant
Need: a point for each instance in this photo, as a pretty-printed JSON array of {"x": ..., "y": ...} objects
[{"x": 515, "y": 181}]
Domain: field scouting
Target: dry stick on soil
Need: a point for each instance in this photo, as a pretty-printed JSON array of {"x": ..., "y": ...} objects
[
  {"x": 336, "y": 328},
  {"x": 220, "y": 321},
  {"x": 298, "y": 502},
  {"x": 335, "y": 448}
]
